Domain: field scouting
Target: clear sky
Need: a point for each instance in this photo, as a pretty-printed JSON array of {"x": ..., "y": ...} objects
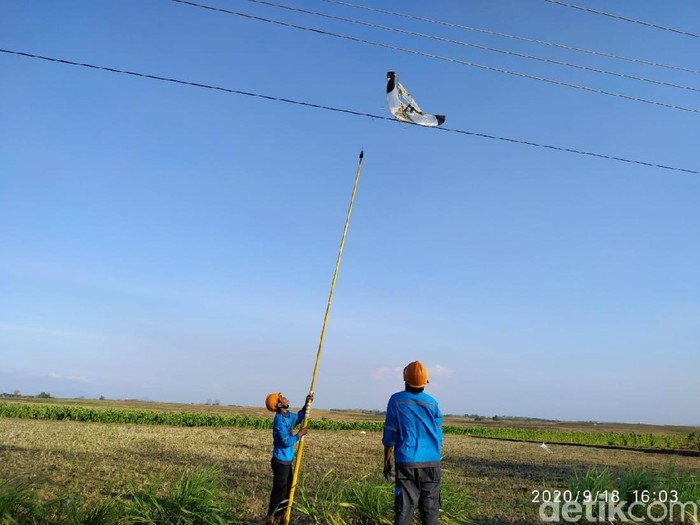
[{"x": 174, "y": 243}]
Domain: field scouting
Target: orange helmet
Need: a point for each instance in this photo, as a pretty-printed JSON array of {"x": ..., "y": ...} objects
[
  {"x": 271, "y": 401},
  {"x": 415, "y": 374}
]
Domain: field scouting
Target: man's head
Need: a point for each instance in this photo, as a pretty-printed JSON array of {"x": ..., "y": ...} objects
[
  {"x": 276, "y": 401},
  {"x": 415, "y": 375}
]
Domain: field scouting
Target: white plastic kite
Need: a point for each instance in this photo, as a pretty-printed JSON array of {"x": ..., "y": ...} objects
[
  {"x": 545, "y": 448},
  {"x": 404, "y": 108}
]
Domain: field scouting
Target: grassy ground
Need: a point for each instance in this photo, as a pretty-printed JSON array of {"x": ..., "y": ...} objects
[
  {"x": 357, "y": 415},
  {"x": 101, "y": 460}
]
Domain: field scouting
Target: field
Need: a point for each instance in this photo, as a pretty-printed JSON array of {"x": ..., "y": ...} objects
[{"x": 99, "y": 461}]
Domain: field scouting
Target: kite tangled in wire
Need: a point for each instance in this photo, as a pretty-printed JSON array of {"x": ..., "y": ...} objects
[{"x": 404, "y": 108}]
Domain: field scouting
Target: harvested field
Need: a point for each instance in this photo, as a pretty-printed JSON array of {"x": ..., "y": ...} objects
[{"x": 100, "y": 461}]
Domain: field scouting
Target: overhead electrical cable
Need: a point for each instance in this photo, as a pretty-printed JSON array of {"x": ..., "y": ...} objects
[
  {"x": 515, "y": 37},
  {"x": 626, "y": 19},
  {"x": 477, "y": 46},
  {"x": 337, "y": 110},
  {"x": 439, "y": 57}
]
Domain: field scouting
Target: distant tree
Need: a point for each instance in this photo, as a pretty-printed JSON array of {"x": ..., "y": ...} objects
[
  {"x": 102, "y": 398},
  {"x": 495, "y": 418},
  {"x": 216, "y": 402},
  {"x": 44, "y": 395},
  {"x": 16, "y": 393}
]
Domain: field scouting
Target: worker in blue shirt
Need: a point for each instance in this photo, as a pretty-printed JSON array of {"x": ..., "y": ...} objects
[
  {"x": 413, "y": 435},
  {"x": 283, "y": 440}
]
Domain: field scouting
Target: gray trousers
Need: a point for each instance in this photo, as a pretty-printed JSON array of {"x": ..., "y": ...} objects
[{"x": 417, "y": 486}]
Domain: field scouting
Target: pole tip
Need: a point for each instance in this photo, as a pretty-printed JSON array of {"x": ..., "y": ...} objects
[{"x": 362, "y": 153}]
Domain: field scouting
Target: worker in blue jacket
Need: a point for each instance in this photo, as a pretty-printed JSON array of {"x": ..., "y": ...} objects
[
  {"x": 283, "y": 440},
  {"x": 413, "y": 435}
]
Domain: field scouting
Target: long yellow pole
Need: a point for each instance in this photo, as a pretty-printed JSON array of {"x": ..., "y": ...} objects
[{"x": 300, "y": 449}]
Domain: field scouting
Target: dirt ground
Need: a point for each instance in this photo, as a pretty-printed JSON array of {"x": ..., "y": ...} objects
[{"x": 100, "y": 460}]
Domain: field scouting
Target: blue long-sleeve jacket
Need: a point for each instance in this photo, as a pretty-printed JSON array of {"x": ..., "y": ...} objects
[
  {"x": 413, "y": 426},
  {"x": 283, "y": 438}
]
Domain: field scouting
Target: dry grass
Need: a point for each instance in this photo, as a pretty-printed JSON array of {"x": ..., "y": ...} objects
[
  {"x": 100, "y": 460},
  {"x": 501, "y": 475}
]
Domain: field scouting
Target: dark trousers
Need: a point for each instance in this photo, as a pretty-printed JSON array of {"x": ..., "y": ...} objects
[
  {"x": 417, "y": 486},
  {"x": 281, "y": 483}
]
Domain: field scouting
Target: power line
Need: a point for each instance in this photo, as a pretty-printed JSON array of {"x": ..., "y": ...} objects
[
  {"x": 633, "y": 20},
  {"x": 515, "y": 37},
  {"x": 477, "y": 46},
  {"x": 440, "y": 57},
  {"x": 337, "y": 110}
]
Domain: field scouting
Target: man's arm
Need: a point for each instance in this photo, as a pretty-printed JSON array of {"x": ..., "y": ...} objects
[
  {"x": 287, "y": 436},
  {"x": 302, "y": 413},
  {"x": 389, "y": 438},
  {"x": 388, "y": 452}
]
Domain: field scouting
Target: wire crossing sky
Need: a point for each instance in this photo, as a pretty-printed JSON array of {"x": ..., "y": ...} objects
[
  {"x": 477, "y": 46},
  {"x": 626, "y": 19},
  {"x": 441, "y": 57},
  {"x": 176, "y": 244},
  {"x": 339, "y": 110},
  {"x": 514, "y": 37}
]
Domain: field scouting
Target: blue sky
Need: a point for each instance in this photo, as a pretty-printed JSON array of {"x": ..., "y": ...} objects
[{"x": 174, "y": 243}]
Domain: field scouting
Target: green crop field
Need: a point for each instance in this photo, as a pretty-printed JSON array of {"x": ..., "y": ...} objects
[
  {"x": 84, "y": 455},
  {"x": 191, "y": 418}
]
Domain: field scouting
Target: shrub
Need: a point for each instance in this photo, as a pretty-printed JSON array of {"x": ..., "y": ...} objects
[
  {"x": 196, "y": 498},
  {"x": 17, "y": 502},
  {"x": 69, "y": 510},
  {"x": 368, "y": 500},
  {"x": 593, "y": 481}
]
